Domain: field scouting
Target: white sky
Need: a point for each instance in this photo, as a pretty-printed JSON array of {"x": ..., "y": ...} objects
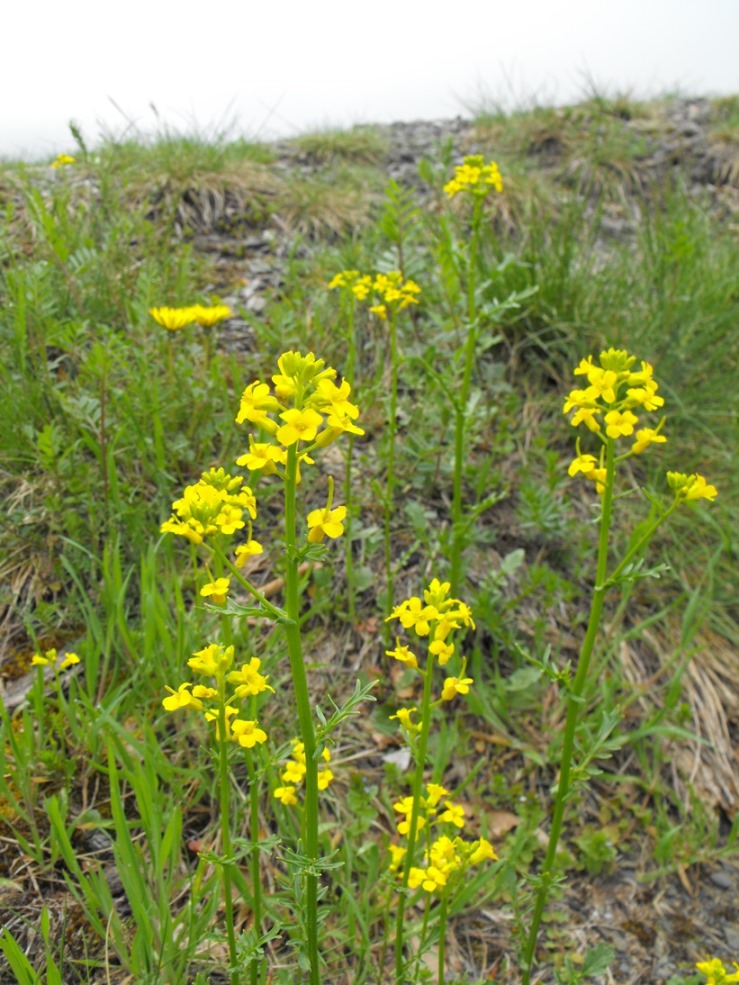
[{"x": 285, "y": 66}]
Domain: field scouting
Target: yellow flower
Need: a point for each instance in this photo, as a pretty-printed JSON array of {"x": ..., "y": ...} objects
[
  {"x": 325, "y": 523},
  {"x": 173, "y": 318},
  {"x": 405, "y": 806},
  {"x": 403, "y": 716},
  {"x": 293, "y": 772},
  {"x": 245, "y": 551},
  {"x": 442, "y": 650},
  {"x": 454, "y": 814},
  {"x": 413, "y": 614},
  {"x": 181, "y": 698},
  {"x": 454, "y": 686},
  {"x": 602, "y": 384},
  {"x": 207, "y": 317},
  {"x": 286, "y": 795},
  {"x": 587, "y": 416},
  {"x": 431, "y": 879},
  {"x": 248, "y": 680},
  {"x": 397, "y": 853},
  {"x": 620, "y": 423},
  {"x": 212, "y": 660},
  {"x": 403, "y": 654},
  {"x": 217, "y": 590},
  {"x": 434, "y": 793},
  {"x": 475, "y": 176},
  {"x": 481, "y": 850},
  {"x": 50, "y": 659},
  {"x": 583, "y": 463},
  {"x": 646, "y": 437},
  {"x": 62, "y": 161},
  {"x": 300, "y": 425},
  {"x": 262, "y": 457},
  {"x": 257, "y": 402},
  {"x": 325, "y": 776},
  {"x": 715, "y": 972},
  {"x": 247, "y": 734},
  {"x": 691, "y": 487}
]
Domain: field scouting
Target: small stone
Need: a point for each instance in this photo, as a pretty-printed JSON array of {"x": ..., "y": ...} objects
[{"x": 721, "y": 878}]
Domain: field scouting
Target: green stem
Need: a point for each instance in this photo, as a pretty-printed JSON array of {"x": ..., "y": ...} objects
[
  {"x": 574, "y": 704},
  {"x": 442, "y": 938},
  {"x": 460, "y": 421},
  {"x": 390, "y": 481},
  {"x": 642, "y": 542},
  {"x": 305, "y": 718},
  {"x": 226, "y": 847},
  {"x": 256, "y": 884},
  {"x": 420, "y": 752},
  {"x": 348, "y": 556}
]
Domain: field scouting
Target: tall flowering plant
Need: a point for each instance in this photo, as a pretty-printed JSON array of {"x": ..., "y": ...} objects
[
  {"x": 609, "y": 408},
  {"x": 386, "y": 294},
  {"x": 438, "y": 864},
  {"x": 302, "y": 412},
  {"x": 474, "y": 180}
]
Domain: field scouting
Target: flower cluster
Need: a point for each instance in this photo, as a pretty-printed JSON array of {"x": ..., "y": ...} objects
[
  {"x": 435, "y": 617},
  {"x": 606, "y": 407},
  {"x": 688, "y": 488},
  {"x": 175, "y": 318},
  {"x": 215, "y": 504},
  {"x": 389, "y": 291},
  {"x": 304, "y": 406},
  {"x": 62, "y": 161},
  {"x": 444, "y": 857},
  {"x": 51, "y": 659},
  {"x": 294, "y": 771},
  {"x": 475, "y": 176},
  {"x": 216, "y": 662},
  {"x": 615, "y": 389},
  {"x": 715, "y": 972}
]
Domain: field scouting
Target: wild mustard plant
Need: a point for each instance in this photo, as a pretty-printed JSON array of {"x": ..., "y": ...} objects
[
  {"x": 610, "y": 408},
  {"x": 220, "y": 701},
  {"x": 436, "y": 618},
  {"x": 58, "y": 663},
  {"x": 476, "y": 180},
  {"x": 390, "y": 294},
  {"x": 353, "y": 289},
  {"x": 303, "y": 411}
]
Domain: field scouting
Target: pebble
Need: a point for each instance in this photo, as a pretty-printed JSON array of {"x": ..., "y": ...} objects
[{"x": 722, "y": 879}]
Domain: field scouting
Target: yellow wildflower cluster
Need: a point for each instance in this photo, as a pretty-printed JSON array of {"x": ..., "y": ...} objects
[
  {"x": 389, "y": 291},
  {"x": 51, "y": 659},
  {"x": 62, "y": 161},
  {"x": 614, "y": 390},
  {"x": 175, "y": 318},
  {"x": 308, "y": 408},
  {"x": 215, "y": 504},
  {"x": 436, "y": 617},
  {"x": 216, "y": 662},
  {"x": 475, "y": 176},
  {"x": 689, "y": 488},
  {"x": 606, "y": 407},
  {"x": 715, "y": 972},
  {"x": 294, "y": 771},
  {"x": 444, "y": 857}
]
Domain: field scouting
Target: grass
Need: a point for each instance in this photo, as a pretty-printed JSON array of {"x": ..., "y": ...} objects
[{"x": 108, "y": 805}]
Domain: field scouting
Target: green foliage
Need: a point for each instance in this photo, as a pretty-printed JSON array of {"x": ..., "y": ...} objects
[{"x": 109, "y": 416}]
